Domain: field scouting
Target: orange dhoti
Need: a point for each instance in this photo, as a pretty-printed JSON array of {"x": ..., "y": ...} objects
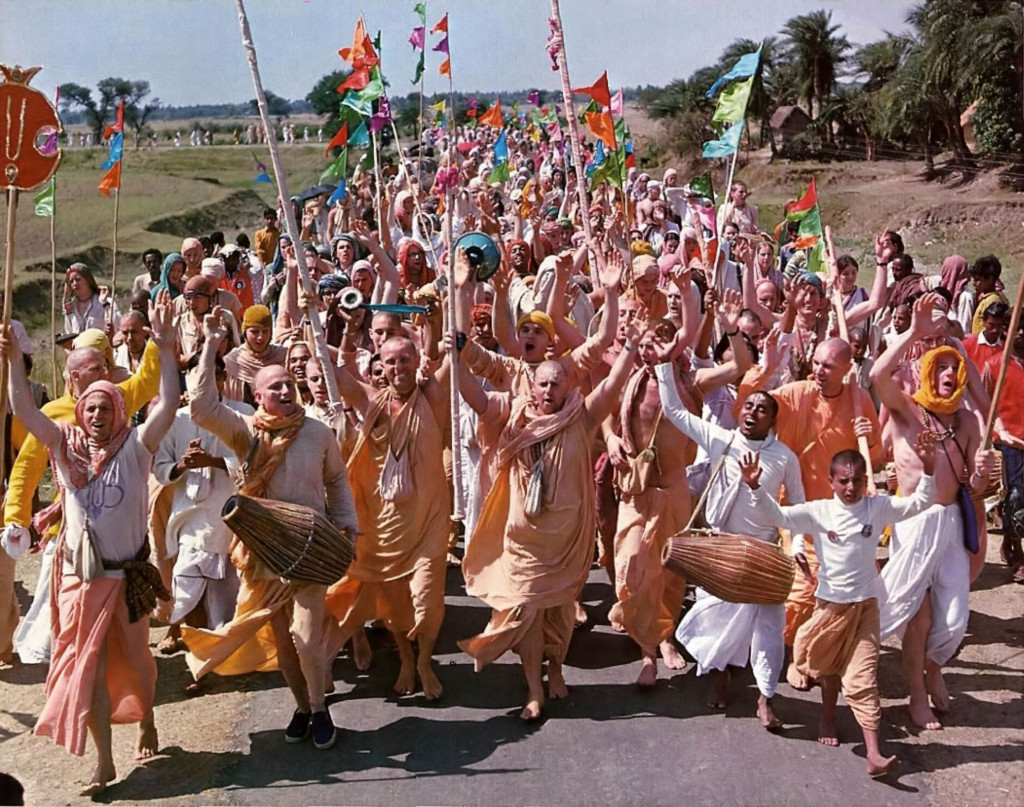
[
  {"x": 93, "y": 620},
  {"x": 649, "y": 596}
]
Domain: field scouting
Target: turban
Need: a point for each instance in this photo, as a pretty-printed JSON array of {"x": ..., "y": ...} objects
[
  {"x": 481, "y": 312},
  {"x": 257, "y": 316},
  {"x": 81, "y": 454},
  {"x": 538, "y": 318},
  {"x": 330, "y": 283},
  {"x": 927, "y": 396},
  {"x": 641, "y": 248},
  {"x": 814, "y": 280},
  {"x": 213, "y": 268},
  {"x": 363, "y": 266}
]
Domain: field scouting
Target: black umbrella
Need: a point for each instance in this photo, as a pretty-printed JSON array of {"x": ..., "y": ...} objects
[{"x": 316, "y": 190}]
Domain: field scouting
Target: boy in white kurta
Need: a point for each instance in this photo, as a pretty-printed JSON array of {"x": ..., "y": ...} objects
[{"x": 839, "y": 643}]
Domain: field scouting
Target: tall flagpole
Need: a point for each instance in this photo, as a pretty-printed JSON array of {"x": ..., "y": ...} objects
[
  {"x": 53, "y": 293},
  {"x": 289, "y": 215},
  {"x": 113, "y": 269},
  {"x": 12, "y": 208},
  {"x": 570, "y": 111}
]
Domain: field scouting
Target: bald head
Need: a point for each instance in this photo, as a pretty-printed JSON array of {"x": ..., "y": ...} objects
[
  {"x": 550, "y": 387},
  {"x": 85, "y": 365},
  {"x": 837, "y": 349},
  {"x": 275, "y": 392},
  {"x": 829, "y": 366}
]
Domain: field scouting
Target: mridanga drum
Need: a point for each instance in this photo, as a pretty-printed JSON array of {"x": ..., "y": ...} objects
[
  {"x": 734, "y": 568},
  {"x": 294, "y": 542}
]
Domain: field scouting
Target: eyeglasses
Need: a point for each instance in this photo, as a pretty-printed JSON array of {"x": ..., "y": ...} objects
[{"x": 191, "y": 295}]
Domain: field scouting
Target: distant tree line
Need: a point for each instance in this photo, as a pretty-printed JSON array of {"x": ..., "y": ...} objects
[{"x": 906, "y": 92}]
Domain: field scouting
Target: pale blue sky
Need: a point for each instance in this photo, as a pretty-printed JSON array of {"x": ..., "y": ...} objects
[{"x": 190, "y": 50}]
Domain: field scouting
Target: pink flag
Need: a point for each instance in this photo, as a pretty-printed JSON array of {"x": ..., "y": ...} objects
[
  {"x": 418, "y": 38},
  {"x": 533, "y": 98},
  {"x": 616, "y": 106},
  {"x": 442, "y": 46}
]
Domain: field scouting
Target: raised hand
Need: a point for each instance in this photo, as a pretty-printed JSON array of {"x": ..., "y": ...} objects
[
  {"x": 924, "y": 308},
  {"x": 632, "y": 333},
  {"x": 884, "y": 250},
  {"x": 361, "y": 230},
  {"x": 463, "y": 269},
  {"x": 611, "y": 271},
  {"x": 214, "y": 328},
  {"x": 665, "y": 349},
  {"x": 161, "y": 319},
  {"x": 772, "y": 351},
  {"x": 729, "y": 310},
  {"x": 750, "y": 469},
  {"x": 743, "y": 252}
]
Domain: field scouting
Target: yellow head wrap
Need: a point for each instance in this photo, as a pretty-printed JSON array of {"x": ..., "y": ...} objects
[
  {"x": 95, "y": 338},
  {"x": 538, "y": 318},
  {"x": 257, "y": 316},
  {"x": 641, "y": 248},
  {"x": 927, "y": 396}
]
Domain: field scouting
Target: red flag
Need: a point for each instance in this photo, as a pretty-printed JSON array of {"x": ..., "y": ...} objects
[
  {"x": 361, "y": 54},
  {"x": 441, "y": 26},
  {"x": 356, "y": 80},
  {"x": 111, "y": 180},
  {"x": 470, "y": 113},
  {"x": 492, "y": 117},
  {"x": 602, "y": 127},
  {"x": 117, "y": 126},
  {"x": 804, "y": 204},
  {"x": 340, "y": 139},
  {"x": 446, "y": 68},
  {"x": 598, "y": 90}
]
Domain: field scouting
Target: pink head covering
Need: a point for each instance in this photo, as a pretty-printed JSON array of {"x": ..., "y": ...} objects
[
  {"x": 83, "y": 457},
  {"x": 954, "y": 275}
]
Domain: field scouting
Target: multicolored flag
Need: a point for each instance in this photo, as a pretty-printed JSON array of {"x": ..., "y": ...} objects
[
  {"x": 745, "y": 67},
  {"x": 732, "y": 104},
  {"x": 111, "y": 181},
  {"x": 261, "y": 171},
  {"x": 809, "y": 237}
]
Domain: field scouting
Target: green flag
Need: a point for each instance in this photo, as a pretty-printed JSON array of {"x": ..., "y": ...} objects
[
  {"x": 701, "y": 185},
  {"x": 732, "y": 104},
  {"x": 498, "y": 174},
  {"x": 610, "y": 170},
  {"x": 591, "y": 107},
  {"x": 420, "y": 67},
  {"x": 421, "y": 9},
  {"x": 46, "y": 199},
  {"x": 337, "y": 169}
]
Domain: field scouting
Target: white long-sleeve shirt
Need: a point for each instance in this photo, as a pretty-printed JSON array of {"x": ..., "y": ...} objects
[
  {"x": 845, "y": 537},
  {"x": 726, "y": 510}
]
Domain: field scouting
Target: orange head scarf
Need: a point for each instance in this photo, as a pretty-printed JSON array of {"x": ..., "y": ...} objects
[{"x": 927, "y": 396}]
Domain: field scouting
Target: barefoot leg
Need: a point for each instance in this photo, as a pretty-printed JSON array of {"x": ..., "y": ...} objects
[
  {"x": 878, "y": 765},
  {"x": 99, "y": 729},
  {"x": 580, "y": 615},
  {"x": 915, "y": 640},
  {"x": 531, "y": 654},
  {"x": 766, "y": 715},
  {"x": 671, "y": 656},
  {"x": 718, "y": 698},
  {"x": 936, "y": 686},
  {"x": 171, "y": 642},
  {"x": 827, "y": 733},
  {"x": 362, "y": 655},
  {"x": 147, "y": 744},
  {"x": 556, "y": 681},
  {"x": 648, "y": 669},
  {"x": 406, "y": 681},
  {"x": 425, "y": 667}
]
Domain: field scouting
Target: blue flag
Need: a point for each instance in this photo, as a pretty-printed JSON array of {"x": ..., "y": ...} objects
[
  {"x": 501, "y": 148},
  {"x": 727, "y": 144},
  {"x": 116, "y": 150},
  {"x": 360, "y": 137},
  {"x": 745, "y": 67},
  {"x": 339, "y": 193}
]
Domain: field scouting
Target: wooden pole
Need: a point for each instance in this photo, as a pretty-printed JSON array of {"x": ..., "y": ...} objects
[
  {"x": 53, "y": 298},
  {"x": 12, "y": 218},
  {"x": 289, "y": 215},
  {"x": 714, "y": 280},
  {"x": 570, "y": 112},
  {"x": 113, "y": 268},
  {"x": 997, "y": 391}
]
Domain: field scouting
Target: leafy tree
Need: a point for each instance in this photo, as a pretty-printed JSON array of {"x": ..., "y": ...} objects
[
  {"x": 102, "y": 110},
  {"x": 277, "y": 106},
  {"x": 811, "y": 43}
]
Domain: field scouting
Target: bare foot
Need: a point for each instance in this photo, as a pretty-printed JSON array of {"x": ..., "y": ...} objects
[
  {"x": 648, "y": 673},
  {"x": 580, "y": 615},
  {"x": 556, "y": 683},
  {"x": 797, "y": 679},
  {"x": 827, "y": 733},
  {"x": 101, "y": 777},
  {"x": 362, "y": 655},
  {"x": 937, "y": 692},
  {"x": 673, "y": 658},
  {"x": 171, "y": 643},
  {"x": 405, "y": 684},
  {"x": 147, "y": 745},
  {"x": 531, "y": 712},
  {"x": 769, "y": 720},
  {"x": 431, "y": 685},
  {"x": 882, "y": 765},
  {"x": 718, "y": 698},
  {"x": 923, "y": 717}
]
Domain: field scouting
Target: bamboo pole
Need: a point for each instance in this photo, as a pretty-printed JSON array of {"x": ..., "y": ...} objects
[
  {"x": 570, "y": 112},
  {"x": 289, "y": 215},
  {"x": 997, "y": 391},
  {"x": 53, "y": 297},
  {"x": 113, "y": 268},
  {"x": 12, "y": 218}
]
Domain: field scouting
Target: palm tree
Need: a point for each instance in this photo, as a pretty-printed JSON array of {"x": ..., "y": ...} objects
[{"x": 810, "y": 41}]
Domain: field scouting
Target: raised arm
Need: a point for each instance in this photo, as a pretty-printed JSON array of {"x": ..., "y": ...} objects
[
  {"x": 45, "y": 430},
  {"x": 603, "y": 398},
  {"x": 728, "y": 313},
  {"x": 888, "y": 391},
  {"x": 876, "y": 299},
  {"x": 161, "y": 416},
  {"x": 206, "y": 409}
]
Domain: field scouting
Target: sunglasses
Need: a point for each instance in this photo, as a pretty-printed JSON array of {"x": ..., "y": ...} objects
[{"x": 191, "y": 295}]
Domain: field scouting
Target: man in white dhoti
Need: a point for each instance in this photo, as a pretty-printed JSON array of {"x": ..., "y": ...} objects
[{"x": 721, "y": 634}]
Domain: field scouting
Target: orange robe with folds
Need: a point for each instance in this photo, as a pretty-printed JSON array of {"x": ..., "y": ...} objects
[
  {"x": 817, "y": 428},
  {"x": 649, "y": 596},
  {"x": 399, "y": 571},
  {"x": 533, "y": 567}
]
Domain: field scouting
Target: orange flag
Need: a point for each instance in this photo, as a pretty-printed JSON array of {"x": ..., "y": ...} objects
[
  {"x": 361, "y": 54},
  {"x": 356, "y": 80},
  {"x": 492, "y": 117},
  {"x": 111, "y": 180},
  {"x": 598, "y": 90},
  {"x": 340, "y": 138},
  {"x": 446, "y": 68},
  {"x": 442, "y": 26},
  {"x": 602, "y": 127}
]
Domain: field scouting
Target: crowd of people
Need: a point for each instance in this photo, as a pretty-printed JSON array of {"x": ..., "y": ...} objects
[{"x": 632, "y": 366}]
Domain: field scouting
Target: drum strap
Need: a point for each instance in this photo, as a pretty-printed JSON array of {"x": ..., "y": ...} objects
[{"x": 711, "y": 481}]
